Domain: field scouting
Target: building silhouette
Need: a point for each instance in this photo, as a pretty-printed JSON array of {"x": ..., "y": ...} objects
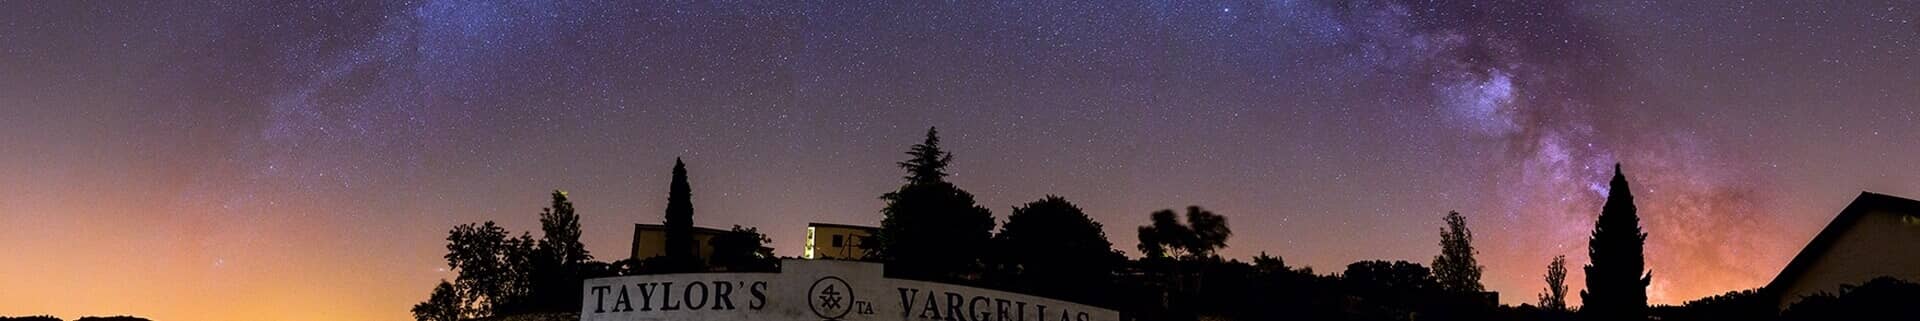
[
  {"x": 650, "y": 240},
  {"x": 1877, "y": 235}
]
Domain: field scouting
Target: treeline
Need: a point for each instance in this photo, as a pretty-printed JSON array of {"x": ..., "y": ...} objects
[
  {"x": 52, "y": 318},
  {"x": 934, "y": 230},
  {"x": 1882, "y": 298},
  {"x": 499, "y": 274},
  {"x": 502, "y": 274}
]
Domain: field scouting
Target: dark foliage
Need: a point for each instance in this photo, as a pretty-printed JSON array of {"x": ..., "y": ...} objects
[
  {"x": 1241, "y": 291},
  {"x": 502, "y": 275},
  {"x": 1528, "y": 312},
  {"x": 1554, "y": 297},
  {"x": 1204, "y": 233},
  {"x": 31, "y": 318},
  {"x": 1051, "y": 247},
  {"x": 1455, "y": 269},
  {"x": 560, "y": 232},
  {"x": 681, "y": 251},
  {"x": 442, "y": 305},
  {"x": 1268, "y": 264},
  {"x": 1179, "y": 259},
  {"x": 1403, "y": 290},
  {"x": 560, "y": 260},
  {"x": 493, "y": 268},
  {"x": 1617, "y": 278},
  {"x": 928, "y": 163},
  {"x": 932, "y": 230},
  {"x": 53, "y": 318},
  {"x": 1749, "y": 305},
  {"x": 1882, "y": 298},
  {"x": 113, "y": 318},
  {"x": 743, "y": 250},
  {"x": 1367, "y": 291},
  {"x": 1395, "y": 286}
]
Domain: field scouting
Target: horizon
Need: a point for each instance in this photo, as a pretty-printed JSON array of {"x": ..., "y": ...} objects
[{"x": 222, "y": 162}]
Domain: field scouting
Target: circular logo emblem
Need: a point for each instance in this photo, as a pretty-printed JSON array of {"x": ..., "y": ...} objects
[{"x": 830, "y": 298}]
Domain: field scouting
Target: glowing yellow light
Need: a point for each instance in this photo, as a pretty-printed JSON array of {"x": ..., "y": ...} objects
[{"x": 809, "y": 254}]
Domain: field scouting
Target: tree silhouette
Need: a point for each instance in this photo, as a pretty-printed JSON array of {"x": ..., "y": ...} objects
[
  {"x": 1395, "y": 286},
  {"x": 31, "y": 318},
  {"x": 522, "y": 256},
  {"x": 1455, "y": 269},
  {"x": 1554, "y": 297},
  {"x": 1269, "y": 264},
  {"x": 1204, "y": 233},
  {"x": 929, "y": 163},
  {"x": 1209, "y": 230},
  {"x": 1179, "y": 256},
  {"x": 442, "y": 305},
  {"x": 559, "y": 263},
  {"x": 682, "y": 255},
  {"x": 1750, "y": 304},
  {"x": 1883, "y": 298},
  {"x": 1399, "y": 276},
  {"x": 1616, "y": 278},
  {"x": 932, "y": 229},
  {"x": 1163, "y": 236},
  {"x": 743, "y": 250},
  {"x": 1054, "y": 249},
  {"x": 560, "y": 232},
  {"x": 493, "y": 268},
  {"x": 503, "y": 275}
]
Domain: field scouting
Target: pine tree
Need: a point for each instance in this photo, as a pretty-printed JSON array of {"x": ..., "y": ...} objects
[
  {"x": 932, "y": 229},
  {"x": 929, "y": 163},
  {"x": 682, "y": 255},
  {"x": 1554, "y": 297},
  {"x": 1455, "y": 268},
  {"x": 1617, "y": 278}
]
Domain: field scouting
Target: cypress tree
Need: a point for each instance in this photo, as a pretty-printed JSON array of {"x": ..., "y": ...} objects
[
  {"x": 1616, "y": 277},
  {"x": 681, "y": 250}
]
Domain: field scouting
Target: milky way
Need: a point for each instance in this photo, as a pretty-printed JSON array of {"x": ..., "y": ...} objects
[
  {"x": 231, "y": 160},
  {"x": 1539, "y": 86}
]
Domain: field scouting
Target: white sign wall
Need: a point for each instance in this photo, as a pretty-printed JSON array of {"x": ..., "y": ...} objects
[{"x": 814, "y": 290}]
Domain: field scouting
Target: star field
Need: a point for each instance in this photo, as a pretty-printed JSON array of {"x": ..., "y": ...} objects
[{"x": 226, "y": 161}]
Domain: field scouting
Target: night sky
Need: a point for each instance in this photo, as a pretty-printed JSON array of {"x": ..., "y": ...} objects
[{"x": 217, "y": 162}]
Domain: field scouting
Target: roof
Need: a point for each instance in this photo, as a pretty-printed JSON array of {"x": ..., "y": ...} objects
[
  {"x": 1867, "y": 202},
  {"x": 818, "y": 224},
  {"x": 696, "y": 229}
]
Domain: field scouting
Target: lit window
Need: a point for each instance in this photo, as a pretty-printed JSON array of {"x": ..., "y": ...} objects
[{"x": 809, "y": 253}]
